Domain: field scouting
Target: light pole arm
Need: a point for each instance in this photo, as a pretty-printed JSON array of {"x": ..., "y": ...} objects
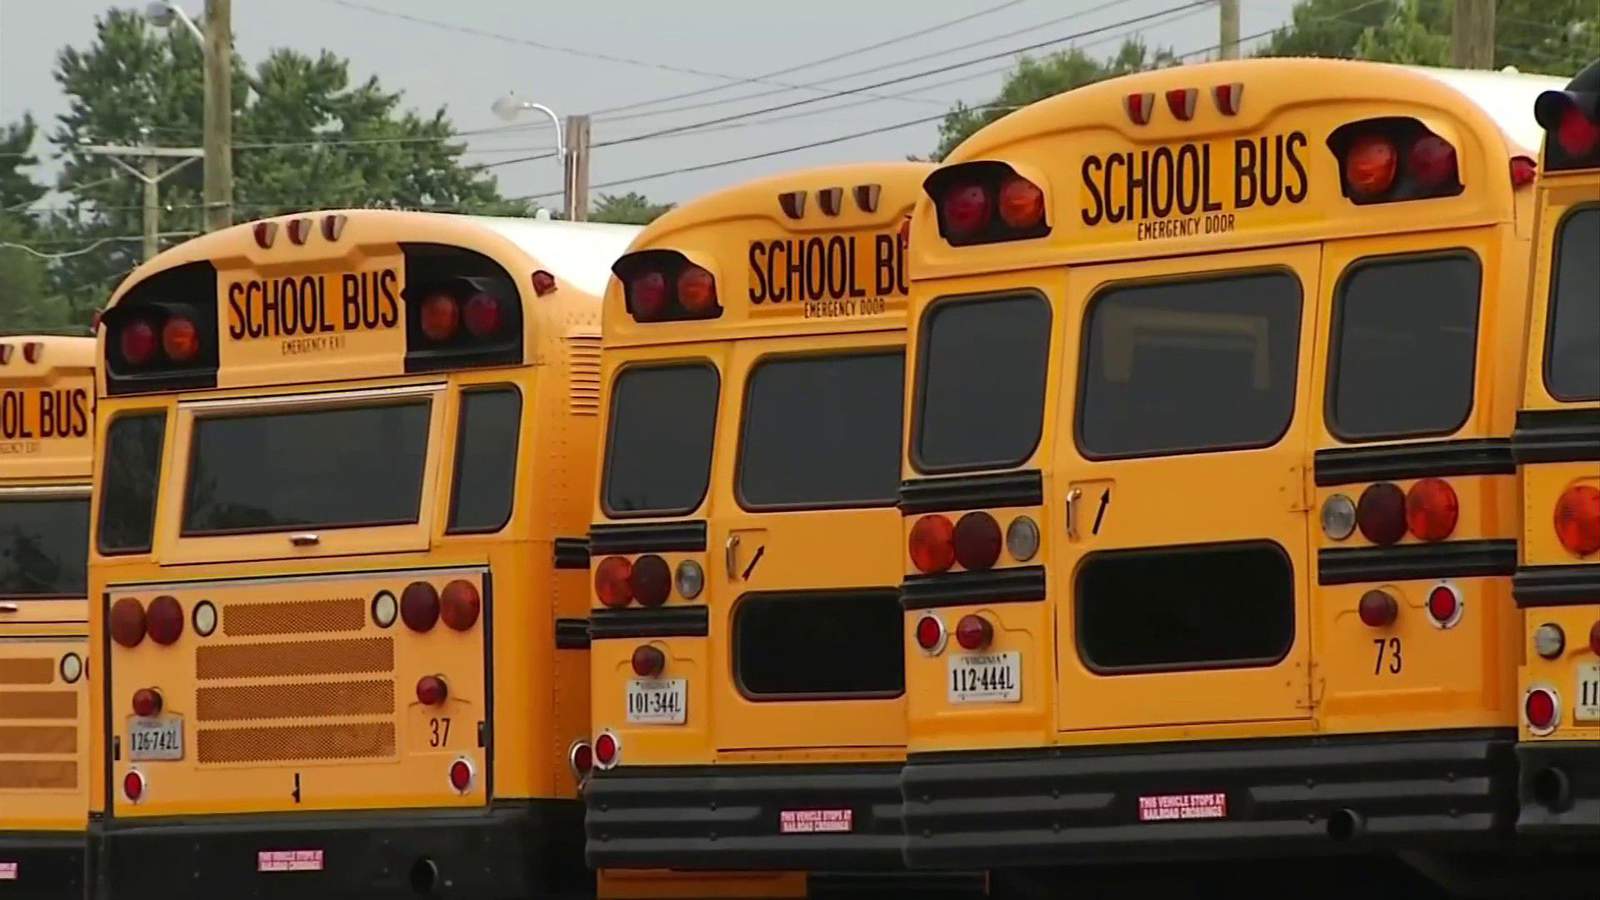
[
  {"x": 188, "y": 23},
  {"x": 561, "y": 144}
]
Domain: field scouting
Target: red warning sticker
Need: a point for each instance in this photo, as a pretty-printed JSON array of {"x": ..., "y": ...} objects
[
  {"x": 8, "y": 871},
  {"x": 1176, "y": 807},
  {"x": 812, "y": 821},
  {"x": 289, "y": 861}
]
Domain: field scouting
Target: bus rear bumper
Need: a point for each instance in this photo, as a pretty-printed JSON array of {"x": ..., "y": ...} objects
[
  {"x": 1239, "y": 799},
  {"x": 1559, "y": 790},
  {"x": 41, "y": 865},
  {"x": 513, "y": 849}
]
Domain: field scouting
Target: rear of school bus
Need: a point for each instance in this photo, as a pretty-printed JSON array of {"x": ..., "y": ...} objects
[
  {"x": 46, "y": 443},
  {"x": 1557, "y": 445},
  {"x": 1211, "y": 514},
  {"x": 748, "y": 703},
  {"x": 339, "y": 451}
]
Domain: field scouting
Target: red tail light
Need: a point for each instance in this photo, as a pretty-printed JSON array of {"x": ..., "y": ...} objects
[
  {"x": 133, "y": 786},
  {"x": 419, "y": 606},
  {"x": 462, "y": 775},
  {"x": 165, "y": 620},
  {"x": 1378, "y": 609},
  {"x": 1444, "y": 606},
  {"x": 440, "y": 317},
  {"x": 648, "y": 291},
  {"x": 1371, "y": 164},
  {"x": 977, "y": 541},
  {"x": 459, "y": 605},
  {"x": 1594, "y": 638},
  {"x": 650, "y": 580},
  {"x": 432, "y": 690},
  {"x": 1577, "y": 134},
  {"x": 611, "y": 579},
  {"x": 933, "y": 547},
  {"x": 974, "y": 632},
  {"x": 482, "y": 315},
  {"x": 1381, "y": 513},
  {"x": 697, "y": 290},
  {"x": 128, "y": 624},
  {"x": 930, "y": 634},
  {"x": 607, "y": 750},
  {"x": 1431, "y": 509},
  {"x": 580, "y": 756},
  {"x": 966, "y": 209},
  {"x": 648, "y": 661},
  {"x": 180, "y": 339},
  {"x": 1542, "y": 709},
  {"x": 147, "y": 702},
  {"x": 1577, "y": 519},
  {"x": 137, "y": 342},
  {"x": 1432, "y": 162}
]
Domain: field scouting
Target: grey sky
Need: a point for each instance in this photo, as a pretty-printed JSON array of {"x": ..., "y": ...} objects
[{"x": 444, "y": 66}]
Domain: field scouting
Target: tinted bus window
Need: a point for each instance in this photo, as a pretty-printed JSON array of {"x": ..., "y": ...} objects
[
  {"x": 822, "y": 431},
  {"x": 129, "y": 481},
  {"x": 486, "y": 459},
  {"x": 327, "y": 468},
  {"x": 1405, "y": 336},
  {"x": 44, "y": 547},
  {"x": 658, "y": 455},
  {"x": 833, "y": 644},
  {"x": 1186, "y": 366},
  {"x": 980, "y": 391},
  {"x": 1572, "y": 356}
]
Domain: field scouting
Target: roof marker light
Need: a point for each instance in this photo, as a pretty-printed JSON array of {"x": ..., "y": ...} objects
[
  {"x": 1182, "y": 102},
  {"x": 32, "y": 350},
  {"x": 299, "y": 230},
  {"x": 543, "y": 282},
  {"x": 793, "y": 203},
  {"x": 332, "y": 227},
  {"x": 867, "y": 197},
  {"x": 5, "y": 354},
  {"x": 831, "y": 200},
  {"x": 1140, "y": 107},
  {"x": 1523, "y": 171},
  {"x": 1228, "y": 97},
  {"x": 266, "y": 233}
]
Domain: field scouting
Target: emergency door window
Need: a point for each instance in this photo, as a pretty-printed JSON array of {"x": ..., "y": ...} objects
[
  {"x": 658, "y": 452},
  {"x": 1572, "y": 357},
  {"x": 128, "y": 482},
  {"x": 486, "y": 459}
]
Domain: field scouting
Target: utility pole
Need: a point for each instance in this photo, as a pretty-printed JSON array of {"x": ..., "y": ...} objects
[
  {"x": 577, "y": 169},
  {"x": 218, "y": 114},
  {"x": 151, "y": 174},
  {"x": 1472, "y": 34},
  {"x": 1229, "y": 43}
]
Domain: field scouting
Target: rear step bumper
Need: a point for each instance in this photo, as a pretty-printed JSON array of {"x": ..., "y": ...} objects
[
  {"x": 41, "y": 865},
  {"x": 1560, "y": 790},
  {"x": 1258, "y": 798},
  {"x": 513, "y": 849}
]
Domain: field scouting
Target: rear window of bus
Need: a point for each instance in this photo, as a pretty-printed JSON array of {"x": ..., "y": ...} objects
[
  {"x": 1572, "y": 353},
  {"x": 320, "y": 468},
  {"x": 658, "y": 452},
  {"x": 131, "y": 471},
  {"x": 1188, "y": 366},
  {"x": 981, "y": 378},
  {"x": 822, "y": 431},
  {"x": 44, "y": 547},
  {"x": 1405, "y": 337}
]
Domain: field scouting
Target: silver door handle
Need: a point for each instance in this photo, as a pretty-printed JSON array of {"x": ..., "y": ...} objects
[
  {"x": 10, "y": 607},
  {"x": 304, "y": 540},
  {"x": 1073, "y": 496},
  {"x": 731, "y": 555}
]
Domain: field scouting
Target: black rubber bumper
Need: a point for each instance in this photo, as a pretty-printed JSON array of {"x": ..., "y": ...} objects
[
  {"x": 1560, "y": 790},
  {"x": 1235, "y": 799},
  {"x": 41, "y": 865},
  {"x": 510, "y": 850},
  {"x": 731, "y": 817}
]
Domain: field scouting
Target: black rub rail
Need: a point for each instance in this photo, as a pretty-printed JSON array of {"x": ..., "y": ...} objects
[
  {"x": 572, "y": 553},
  {"x": 1556, "y": 435},
  {"x": 1534, "y": 586},
  {"x": 1001, "y": 489},
  {"x": 665, "y": 621},
  {"x": 1448, "y": 559},
  {"x": 572, "y": 634},
  {"x": 649, "y": 537},
  {"x": 1019, "y": 585},
  {"x": 1432, "y": 459}
]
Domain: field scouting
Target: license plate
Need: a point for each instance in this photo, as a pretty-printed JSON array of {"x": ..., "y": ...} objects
[
  {"x": 1587, "y": 708},
  {"x": 157, "y": 738},
  {"x": 659, "y": 701},
  {"x": 986, "y": 677}
]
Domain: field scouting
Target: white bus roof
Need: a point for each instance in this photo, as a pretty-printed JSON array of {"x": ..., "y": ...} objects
[
  {"x": 1507, "y": 96},
  {"x": 576, "y": 253}
]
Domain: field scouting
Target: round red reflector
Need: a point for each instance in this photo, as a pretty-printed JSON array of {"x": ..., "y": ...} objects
[
  {"x": 611, "y": 581},
  {"x": 1377, "y": 609},
  {"x": 1432, "y": 161},
  {"x": 1431, "y": 509},
  {"x": 648, "y": 661},
  {"x": 1444, "y": 605},
  {"x": 1021, "y": 203},
  {"x": 697, "y": 290},
  {"x": 127, "y": 622},
  {"x": 1578, "y": 519},
  {"x": 482, "y": 315},
  {"x": 419, "y": 606},
  {"x": 137, "y": 342},
  {"x": 977, "y": 541},
  {"x": 1594, "y": 638},
  {"x": 930, "y": 633},
  {"x": 164, "y": 620},
  {"x": 439, "y": 317},
  {"x": 1577, "y": 135},
  {"x": 648, "y": 292},
  {"x": 606, "y": 750},
  {"x": 581, "y": 758},
  {"x": 133, "y": 786},
  {"x": 461, "y": 775},
  {"x": 431, "y": 690},
  {"x": 147, "y": 702},
  {"x": 180, "y": 339},
  {"x": 1540, "y": 708},
  {"x": 1381, "y": 513},
  {"x": 974, "y": 632},
  {"x": 966, "y": 210},
  {"x": 651, "y": 580},
  {"x": 933, "y": 548},
  {"x": 459, "y": 604},
  {"x": 1369, "y": 165}
]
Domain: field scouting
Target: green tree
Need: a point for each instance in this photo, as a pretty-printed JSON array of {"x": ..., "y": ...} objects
[
  {"x": 18, "y": 190},
  {"x": 1406, "y": 37},
  {"x": 631, "y": 208}
]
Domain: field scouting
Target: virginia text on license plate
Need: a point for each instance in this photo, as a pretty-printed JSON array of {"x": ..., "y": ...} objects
[
  {"x": 985, "y": 677},
  {"x": 658, "y": 701},
  {"x": 1587, "y": 708},
  {"x": 158, "y": 738}
]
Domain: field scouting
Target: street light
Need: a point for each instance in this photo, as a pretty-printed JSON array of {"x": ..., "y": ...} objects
[
  {"x": 218, "y": 98},
  {"x": 510, "y": 106},
  {"x": 162, "y": 13}
]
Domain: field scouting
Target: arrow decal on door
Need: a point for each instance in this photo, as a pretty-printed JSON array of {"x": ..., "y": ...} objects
[{"x": 1099, "y": 516}]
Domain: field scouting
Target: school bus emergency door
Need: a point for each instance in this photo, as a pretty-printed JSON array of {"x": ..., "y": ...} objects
[
  {"x": 339, "y": 453},
  {"x": 46, "y": 438},
  {"x": 1557, "y": 444},
  {"x": 1165, "y": 330}
]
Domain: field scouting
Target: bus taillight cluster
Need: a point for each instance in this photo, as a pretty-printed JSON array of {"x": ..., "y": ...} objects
[
  {"x": 1394, "y": 159},
  {"x": 973, "y": 541},
  {"x": 1385, "y": 513},
  {"x": 648, "y": 580},
  {"x": 157, "y": 336},
  {"x": 666, "y": 286},
  {"x": 1577, "y": 519},
  {"x": 422, "y": 606},
  {"x": 986, "y": 202},
  {"x": 465, "y": 309}
]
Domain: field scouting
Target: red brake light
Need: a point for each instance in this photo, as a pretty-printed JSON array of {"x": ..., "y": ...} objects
[
  {"x": 1370, "y": 165},
  {"x": 133, "y": 786},
  {"x": 1381, "y": 513},
  {"x": 930, "y": 633},
  {"x": 649, "y": 294},
  {"x": 650, "y": 580},
  {"x": 966, "y": 209},
  {"x": 419, "y": 606},
  {"x": 137, "y": 342},
  {"x": 482, "y": 315},
  {"x": 127, "y": 622},
  {"x": 607, "y": 750},
  {"x": 1444, "y": 605},
  {"x": 440, "y": 317},
  {"x": 1577, "y": 135},
  {"x": 933, "y": 548},
  {"x": 431, "y": 690},
  {"x": 1432, "y": 161},
  {"x": 697, "y": 290},
  {"x": 459, "y": 605},
  {"x": 1378, "y": 609},
  {"x": 977, "y": 541},
  {"x": 461, "y": 775},
  {"x": 147, "y": 702},
  {"x": 165, "y": 620},
  {"x": 1577, "y": 519},
  {"x": 180, "y": 339},
  {"x": 611, "y": 581},
  {"x": 1594, "y": 638},
  {"x": 1431, "y": 509},
  {"x": 648, "y": 661},
  {"x": 1021, "y": 203},
  {"x": 1541, "y": 709},
  {"x": 974, "y": 632}
]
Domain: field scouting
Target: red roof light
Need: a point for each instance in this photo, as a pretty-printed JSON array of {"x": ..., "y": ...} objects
[
  {"x": 440, "y": 317},
  {"x": 1370, "y": 165},
  {"x": 482, "y": 315},
  {"x": 137, "y": 342},
  {"x": 1577, "y": 134},
  {"x": 966, "y": 209}
]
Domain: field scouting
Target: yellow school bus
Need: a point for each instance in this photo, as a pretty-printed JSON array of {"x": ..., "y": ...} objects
[
  {"x": 1557, "y": 445},
  {"x": 46, "y": 442},
  {"x": 345, "y": 468},
  {"x": 1210, "y": 504},
  {"x": 747, "y": 681}
]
